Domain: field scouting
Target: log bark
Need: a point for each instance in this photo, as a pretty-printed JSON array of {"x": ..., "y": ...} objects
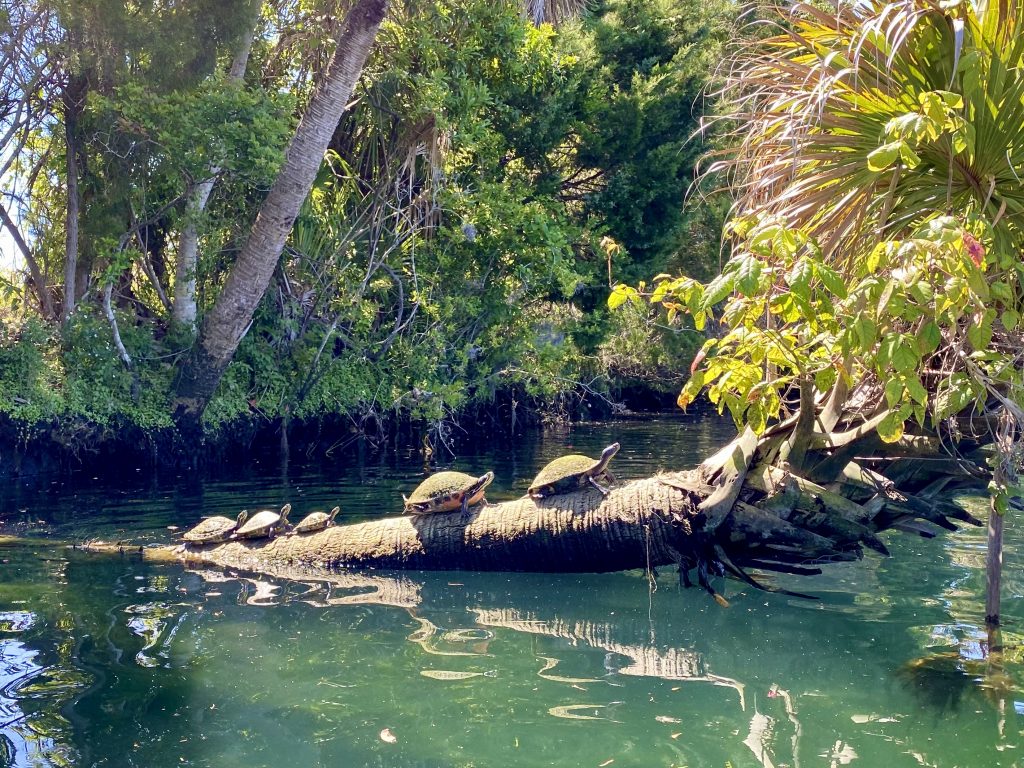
[
  {"x": 786, "y": 525},
  {"x": 643, "y": 522}
]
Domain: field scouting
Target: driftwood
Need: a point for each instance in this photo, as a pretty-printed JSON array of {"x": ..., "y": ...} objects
[{"x": 738, "y": 511}]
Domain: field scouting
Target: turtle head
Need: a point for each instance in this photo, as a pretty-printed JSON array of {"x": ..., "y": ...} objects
[
  {"x": 242, "y": 517},
  {"x": 607, "y": 453},
  {"x": 484, "y": 480},
  {"x": 334, "y": 513},
  {"x": 285, "y": 510}
]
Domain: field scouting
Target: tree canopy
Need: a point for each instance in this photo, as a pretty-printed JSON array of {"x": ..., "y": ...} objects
[{"x": 449, "y": 252}]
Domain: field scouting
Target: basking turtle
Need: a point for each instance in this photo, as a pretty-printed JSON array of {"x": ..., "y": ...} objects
[
  {"x": 316, "y": 521},
  {"x": 446, "y": 492},
  {"x": 570, "y": 473},
  {"x": 215, "y": 529},
  {"x": 264, "y": 523}
]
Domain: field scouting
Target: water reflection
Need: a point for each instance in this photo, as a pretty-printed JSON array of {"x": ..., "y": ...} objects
[{"x": 113, "y": 662}]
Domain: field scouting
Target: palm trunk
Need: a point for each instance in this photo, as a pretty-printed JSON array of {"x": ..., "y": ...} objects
[
  {"x": 184, "y": 311},
  {"x": 229, "y": 319}
]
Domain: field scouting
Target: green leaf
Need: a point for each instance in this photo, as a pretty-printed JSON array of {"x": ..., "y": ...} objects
[
  {"x": 909, "y": 157},
  {"x": 884, "y": 157},
  {"x": 799, "y": 278},
  {"x": 866, "y": 330},
  {"x": 904, "y": 357},
  {"x": 893, "y": 392},
  {"x": 929, "y": 338},
  {"x": 748, "y": 276},
  {"x": 620, "y": 295},
  {"x": 953, "y": 395},
  {"x": 980, "y": 334},
  {"x": 1010, "y": 319},
  {"x": 831, "y": 279},
  {"x": 718, "y": 289},
  {"x": 916, "y": 390},
  {"x": 891, "y": 427}
]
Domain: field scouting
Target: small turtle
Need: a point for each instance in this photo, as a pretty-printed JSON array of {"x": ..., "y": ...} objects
[
  {"x": 264, "y": 523},
  {"x": 446, "y": 492},
  {"x": 215, "y": 529},
  {"x": 570, "y": 473},
  {"x": 316, "y": 521}
]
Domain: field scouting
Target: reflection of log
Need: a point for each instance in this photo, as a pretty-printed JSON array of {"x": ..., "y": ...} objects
[
  {"x": 644, "y": 660},
  {"x": 340, "y": 588}
]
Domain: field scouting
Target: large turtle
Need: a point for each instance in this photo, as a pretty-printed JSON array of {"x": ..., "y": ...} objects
[
  {"x": 264, "y": 523},
  {"x": 570, "y": 473},
  {"x": 215, "y": 529},
  {"x": 316, "y": 521},
  {"x": 446, "y": 492}
]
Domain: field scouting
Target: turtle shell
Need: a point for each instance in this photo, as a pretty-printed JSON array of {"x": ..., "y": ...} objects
[
  {"x": 569, "y": 473},
  {"x": 316, "y": 521},
  {"x": 445, "y": 491},
  {"x": 264, "y": 523},
  {"x": 214, "y": 529}
]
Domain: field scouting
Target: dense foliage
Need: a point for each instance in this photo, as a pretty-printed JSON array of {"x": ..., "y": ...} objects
[
  {"x": 877, "y": 230},
  {"x": 489, "y": 180}
]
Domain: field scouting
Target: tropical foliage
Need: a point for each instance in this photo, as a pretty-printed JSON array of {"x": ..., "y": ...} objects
[
  {"x": 450, "y": 250},
  {"x": 877, "y": 230}
]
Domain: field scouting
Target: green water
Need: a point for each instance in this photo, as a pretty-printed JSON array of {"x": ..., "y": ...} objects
[{"x": 110, "y": 662}]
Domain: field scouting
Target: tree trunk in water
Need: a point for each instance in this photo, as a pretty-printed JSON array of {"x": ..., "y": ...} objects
[
  {"x": 645, "y": 521},
  {"x": 778, "y": 523},
  {"x": 72, "y": 109},
  {"x": 42, "y": 290},
  {"x": 184, "y": 311},
  {"x": 229, "y": 319}
]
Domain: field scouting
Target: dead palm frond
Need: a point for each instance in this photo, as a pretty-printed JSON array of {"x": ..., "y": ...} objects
[{"x": 815, "y": 99}]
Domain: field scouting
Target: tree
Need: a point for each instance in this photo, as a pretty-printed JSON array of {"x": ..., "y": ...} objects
[
  {"x": 226, "y": 324},
  {"x": 874, "y": 274}
]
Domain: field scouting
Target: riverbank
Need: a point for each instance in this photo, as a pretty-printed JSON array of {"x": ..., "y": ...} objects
[{"x": 78, "y": 444}]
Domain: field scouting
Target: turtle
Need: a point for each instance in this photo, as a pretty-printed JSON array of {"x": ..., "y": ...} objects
[
  {"x": 215, "y": 529},
  {"x": 316, "y": 521},
  {"x": 447, "y": 492},
  {"x": 570, "y": 473},
  {"x": 266, "y": 522}
]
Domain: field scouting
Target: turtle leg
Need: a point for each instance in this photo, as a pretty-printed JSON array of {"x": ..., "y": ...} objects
[
  {"x": 684, "y": 575},
  {"x": 704, "y": 580},
  {"x": 464, "y": 507},
  {"x": 604, "y": 491}
]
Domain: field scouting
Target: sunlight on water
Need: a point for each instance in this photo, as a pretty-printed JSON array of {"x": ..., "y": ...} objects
[{"x": 111, "y": 662}]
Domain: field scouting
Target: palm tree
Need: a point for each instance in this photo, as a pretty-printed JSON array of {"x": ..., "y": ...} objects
[
  {"x": 229, "y": 319},
  {"x": 859, "y": 126},
  {"x": 838, "y": 134}
]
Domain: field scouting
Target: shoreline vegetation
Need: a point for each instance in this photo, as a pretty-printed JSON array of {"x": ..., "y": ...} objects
[{"x": 226, "y": 231}]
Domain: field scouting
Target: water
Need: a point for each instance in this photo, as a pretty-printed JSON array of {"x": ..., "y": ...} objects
[{"x": 111, "y": 662}]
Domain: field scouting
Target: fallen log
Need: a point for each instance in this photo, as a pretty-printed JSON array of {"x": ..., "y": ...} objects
[
  {"x": 777, "y": 521},
  {"x": 645, "y": 522}
]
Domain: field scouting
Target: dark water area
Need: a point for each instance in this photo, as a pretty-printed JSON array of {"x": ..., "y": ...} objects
[{"x": 115, "y": 662}]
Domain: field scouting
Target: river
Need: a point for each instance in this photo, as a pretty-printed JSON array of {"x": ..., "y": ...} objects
[{"x": 111, "y": 662}]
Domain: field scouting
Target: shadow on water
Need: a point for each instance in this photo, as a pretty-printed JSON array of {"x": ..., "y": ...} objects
[{"x": 109, "y": 662}]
